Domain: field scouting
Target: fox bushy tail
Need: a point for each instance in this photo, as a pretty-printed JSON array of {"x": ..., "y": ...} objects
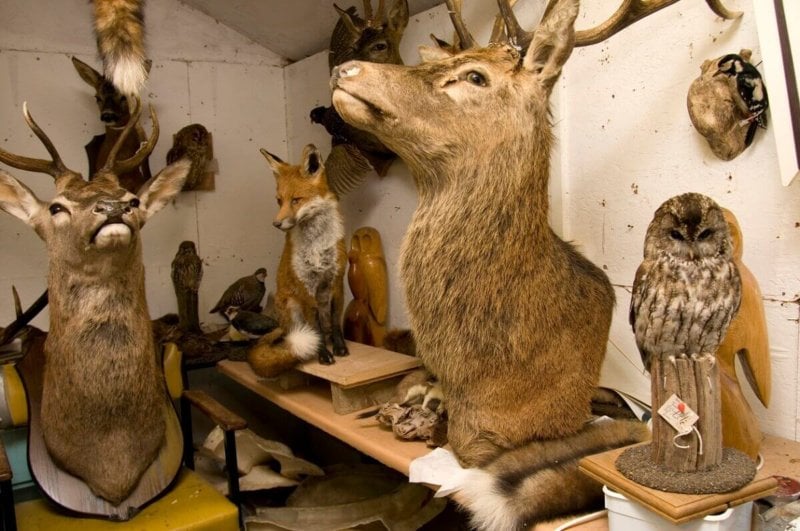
[
  {"x": 276, "y": 353},
  {"x": 119, "y": 28},
  {"x": 540, "y": 481}
]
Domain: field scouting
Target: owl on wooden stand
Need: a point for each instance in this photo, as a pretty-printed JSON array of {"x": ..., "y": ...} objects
[{"x": 685, "y": 293}]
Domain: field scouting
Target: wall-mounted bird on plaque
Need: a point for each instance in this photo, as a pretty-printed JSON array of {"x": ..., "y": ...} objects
[
  {"x": 194, "y": 142},
  {"x": 728, "y": 103}
]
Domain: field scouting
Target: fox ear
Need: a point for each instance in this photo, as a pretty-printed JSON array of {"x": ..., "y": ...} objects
[
  {"x": 312, "y": 161},
  {"x": 274, "y": 161}
]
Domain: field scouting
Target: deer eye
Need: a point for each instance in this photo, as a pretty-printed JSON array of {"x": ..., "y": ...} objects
[
  {"x": 476, "y": 78},
  {"x": 675, "y": 235},
  {"x": 55, "y": 208},
  {"x": 379, "y": 46},
  {"x": 134, "y": 203},
  {"x": 705, "y": 234}
]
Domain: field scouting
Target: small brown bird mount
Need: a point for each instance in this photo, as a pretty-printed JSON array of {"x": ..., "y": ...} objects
[{"x": 194, "y": 142}]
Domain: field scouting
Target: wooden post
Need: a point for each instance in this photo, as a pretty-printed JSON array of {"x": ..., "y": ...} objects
[{"x": 695, "y": 381}]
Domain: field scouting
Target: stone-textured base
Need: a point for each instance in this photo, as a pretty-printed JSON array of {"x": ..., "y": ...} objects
[{"x": 735, "y": 471}]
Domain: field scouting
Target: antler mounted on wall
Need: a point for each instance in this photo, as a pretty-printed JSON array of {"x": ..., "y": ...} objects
[{"x": 632, "y": 11}]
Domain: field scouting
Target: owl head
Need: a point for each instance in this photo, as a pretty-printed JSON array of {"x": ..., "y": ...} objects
[{"x": 690, "y": 226}]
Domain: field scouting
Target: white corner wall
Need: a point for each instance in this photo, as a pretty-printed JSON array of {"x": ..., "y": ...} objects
[
  {"x": 624, "y": 145},
  {"x": 203, "y": 72}
]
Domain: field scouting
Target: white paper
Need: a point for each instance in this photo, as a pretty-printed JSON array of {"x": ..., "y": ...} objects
[{"x": 440, "y": 467}]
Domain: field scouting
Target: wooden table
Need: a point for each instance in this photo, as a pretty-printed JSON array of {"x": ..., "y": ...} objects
[{"x": 313, "y": 405}]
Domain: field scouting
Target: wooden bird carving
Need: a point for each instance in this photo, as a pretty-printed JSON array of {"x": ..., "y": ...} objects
[
  {"x": 365, "y": 316},
  {"x": 747, "y": 338}
]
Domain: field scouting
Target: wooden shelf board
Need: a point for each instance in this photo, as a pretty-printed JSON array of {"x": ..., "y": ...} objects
[
  {"x": 678, "y": 508},
  {"x": 364, "y": 365},
  {"x": 313, "y": 405}
]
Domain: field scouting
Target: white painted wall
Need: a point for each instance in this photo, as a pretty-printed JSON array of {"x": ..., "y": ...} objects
[
  {"x": 624, "y": 145},
  {"x": 203, "y": 72}
]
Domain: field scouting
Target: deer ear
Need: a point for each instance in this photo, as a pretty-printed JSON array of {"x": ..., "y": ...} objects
[
  {"x": 274, "y": 161},
  {"x": 163, "y": 187},
  {"x": 87, "y": 73},
  {"x": 431, "y": 53},
  {"x": 552, "y": 43},
  {"x": 312, "y": 161},
  {"x": 18, "y": 200},
  {"x": 398, "y": 16},
  {"x": 344, "y": 16}
]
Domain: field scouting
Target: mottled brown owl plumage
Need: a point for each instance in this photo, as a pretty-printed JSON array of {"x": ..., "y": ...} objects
[
  {"x": 187, "y": 272},
  {"x": 192, "y": 142},
  {"x": 688, "y": 288}
]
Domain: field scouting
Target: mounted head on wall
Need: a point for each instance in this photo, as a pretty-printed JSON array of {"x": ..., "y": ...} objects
[
  {"x": 103, "y": 390},
  {"x": 370, "y": 38}
]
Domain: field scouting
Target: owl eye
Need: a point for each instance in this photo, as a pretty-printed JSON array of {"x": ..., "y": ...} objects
[
  {"x": 705, "y": 234},
  {"x": 675, "y": 235}
]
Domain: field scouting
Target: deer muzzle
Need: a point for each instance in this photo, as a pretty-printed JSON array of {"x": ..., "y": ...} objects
[{"x": 114, "y": 230}]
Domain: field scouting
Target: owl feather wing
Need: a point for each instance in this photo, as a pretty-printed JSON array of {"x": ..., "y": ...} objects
[{"x": 637, "y": 296}]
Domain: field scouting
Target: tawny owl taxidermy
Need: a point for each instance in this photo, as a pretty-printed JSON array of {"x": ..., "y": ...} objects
[
  {"x": 365, "y": 316},
  {"x": 187, "y": 272},
  {"x": 193, "y": 142},
  {"x": 687, "y": 289},
  {"x": 246, "y": 293}
]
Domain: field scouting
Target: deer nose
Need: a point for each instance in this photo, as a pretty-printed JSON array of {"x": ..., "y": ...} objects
[
  {"x": 348, "y": 69},
  {"x": 112, "y": 208},
  {"x": 109, "y": 117}
]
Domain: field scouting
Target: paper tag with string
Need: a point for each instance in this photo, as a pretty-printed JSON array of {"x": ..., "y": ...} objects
[{"x": 678, "y": 414}]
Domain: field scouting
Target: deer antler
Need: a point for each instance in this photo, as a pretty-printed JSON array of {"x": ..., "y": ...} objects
[
  {"x": 634, "y": 10},
  {"x": 114, "y": 167},
  {"x": 23, "y": 318},
  {"x": 54, "y": 167},
  {"x": 464, "y": 37}
]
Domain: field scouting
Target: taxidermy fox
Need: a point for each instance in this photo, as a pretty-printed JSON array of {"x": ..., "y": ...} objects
[{"x": 310, "y": 280}]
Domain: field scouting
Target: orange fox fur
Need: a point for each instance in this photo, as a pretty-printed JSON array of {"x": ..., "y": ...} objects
[{"x": 310, "y": 279}]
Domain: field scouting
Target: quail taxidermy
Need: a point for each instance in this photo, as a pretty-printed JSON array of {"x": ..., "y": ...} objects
[{"x": 246, "y": 293}]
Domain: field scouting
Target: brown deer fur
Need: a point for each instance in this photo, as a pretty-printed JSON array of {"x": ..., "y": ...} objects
[
  {"x": 103, "y": 390},
  {"x": 510, "y": 318}
]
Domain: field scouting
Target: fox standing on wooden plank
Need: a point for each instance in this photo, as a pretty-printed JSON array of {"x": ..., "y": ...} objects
[
  {"x": 310, "y": 280},
  {"x": 119, "y": 27}
]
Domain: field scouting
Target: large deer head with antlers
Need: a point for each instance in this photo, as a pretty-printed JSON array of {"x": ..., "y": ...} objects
[
  {"x": 511, "y": 319},
  {"x": 102, "y": 411}
]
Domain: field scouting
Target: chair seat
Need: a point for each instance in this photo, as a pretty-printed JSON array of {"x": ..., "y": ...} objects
[{"x": 191, "y": 504}]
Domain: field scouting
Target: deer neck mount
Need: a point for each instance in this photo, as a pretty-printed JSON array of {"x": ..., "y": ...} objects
[
  {"x": 115, "y": 113},
  {"x": 370, "y": 38},
  {"x": 102, "y": 414}
]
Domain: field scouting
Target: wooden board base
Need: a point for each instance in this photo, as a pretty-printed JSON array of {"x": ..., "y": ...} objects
[{"x": 678, "y": 508}]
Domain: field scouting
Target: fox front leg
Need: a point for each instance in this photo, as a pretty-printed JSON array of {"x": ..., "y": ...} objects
[
  {"x": 324, "y": 355},
  {"x": 337, "y": 336}
]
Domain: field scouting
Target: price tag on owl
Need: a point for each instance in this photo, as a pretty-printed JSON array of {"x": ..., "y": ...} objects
[{"x": 678, "y": 414}]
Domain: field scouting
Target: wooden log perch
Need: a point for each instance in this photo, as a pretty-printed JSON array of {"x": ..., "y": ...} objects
[{"x": 695, "y": 381}]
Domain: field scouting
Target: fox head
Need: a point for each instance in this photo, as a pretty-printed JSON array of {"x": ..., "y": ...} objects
[{"x": 302, "y": 191}]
